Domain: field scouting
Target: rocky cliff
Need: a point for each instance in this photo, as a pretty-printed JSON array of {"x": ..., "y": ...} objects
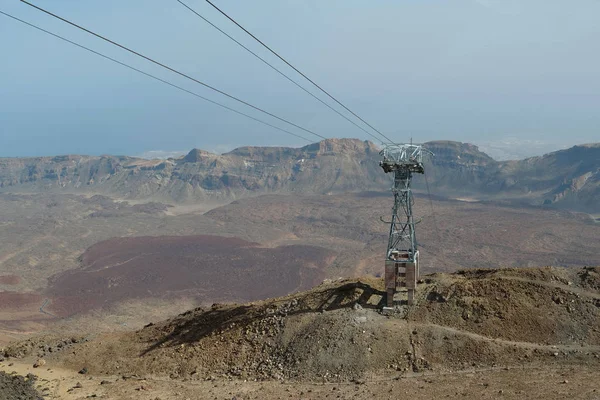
[
  {"x": 328, "y": 166},
  {"x": 567, "y": 178}
]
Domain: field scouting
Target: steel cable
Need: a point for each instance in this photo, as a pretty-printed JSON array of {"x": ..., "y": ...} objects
[
  {"x": 152, "y": 76},
  {"x": 171, "y": 69}
]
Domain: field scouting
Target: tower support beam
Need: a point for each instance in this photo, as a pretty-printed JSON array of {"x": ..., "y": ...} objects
[{"x": 402, "y": 255}]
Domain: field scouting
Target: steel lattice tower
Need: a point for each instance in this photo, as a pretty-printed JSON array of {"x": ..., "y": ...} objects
[{"x": 403, "y": 160}]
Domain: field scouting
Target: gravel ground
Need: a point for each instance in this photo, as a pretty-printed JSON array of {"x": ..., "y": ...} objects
[{"x": 17, "y": 387}]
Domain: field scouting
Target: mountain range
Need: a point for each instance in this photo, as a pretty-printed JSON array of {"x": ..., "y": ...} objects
[{"x": 567, "y": 179}]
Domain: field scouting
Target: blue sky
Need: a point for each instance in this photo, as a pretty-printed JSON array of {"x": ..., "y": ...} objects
[{"x": 490, "y": 72}]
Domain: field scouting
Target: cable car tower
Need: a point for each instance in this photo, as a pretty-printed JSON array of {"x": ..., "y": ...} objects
[{"x": 402, "y": 256}]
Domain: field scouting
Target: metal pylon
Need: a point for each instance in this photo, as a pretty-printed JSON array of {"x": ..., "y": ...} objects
[{"x": 402, "y": 255}]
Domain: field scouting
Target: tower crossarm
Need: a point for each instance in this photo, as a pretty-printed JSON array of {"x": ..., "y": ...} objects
[{"x": 403, "y": 157}]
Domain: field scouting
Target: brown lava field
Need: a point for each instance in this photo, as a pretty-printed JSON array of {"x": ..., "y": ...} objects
[{"x": 209, "y": 268}]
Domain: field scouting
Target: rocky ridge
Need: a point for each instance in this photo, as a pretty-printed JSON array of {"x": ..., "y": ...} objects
[
  {"x": 331, "y": 165},
  {"x": 567, "y": 178}
]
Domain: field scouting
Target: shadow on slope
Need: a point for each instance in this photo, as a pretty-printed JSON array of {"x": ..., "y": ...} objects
[{"x": 195, "y": 325}]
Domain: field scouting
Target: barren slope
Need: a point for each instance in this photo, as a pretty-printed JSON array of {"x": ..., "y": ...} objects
[
  {"x": 334, "y": 332},
  {"x": 45, "y": 234},
  {"x": 451, "y": 234}
]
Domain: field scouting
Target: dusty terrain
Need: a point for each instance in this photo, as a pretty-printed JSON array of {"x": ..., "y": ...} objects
[
  {"x": 515, "y": 333},
  {"x": 87, "y": 272},
  {"x": 43, "y": 235},
  {"x": 43, "y": 238},
  {"x": 524, "y": 382},
  {"x": 206, "y": 268},
  {"x": 452, "y": 234}
]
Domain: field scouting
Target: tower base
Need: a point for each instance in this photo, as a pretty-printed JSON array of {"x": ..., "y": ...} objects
[{"x": 404, "y": 274}]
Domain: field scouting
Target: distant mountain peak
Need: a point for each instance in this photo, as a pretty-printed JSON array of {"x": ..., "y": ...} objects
[
  {"x": 590, "y": 145},
  {"x": 341, "y": 146},
  {"x": 197, "y": 155},
  {"x": 567, "y": 178},
  {"x": 447, "y": 149}
]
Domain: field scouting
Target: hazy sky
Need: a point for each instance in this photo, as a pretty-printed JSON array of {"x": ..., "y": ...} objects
[{"x": 499, "y": 73}]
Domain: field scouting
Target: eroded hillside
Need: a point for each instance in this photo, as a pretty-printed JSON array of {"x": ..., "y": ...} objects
[{"x": 336, "y": 331}]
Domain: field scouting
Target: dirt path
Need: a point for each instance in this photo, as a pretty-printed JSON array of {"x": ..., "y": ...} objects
[
  {"x": 539, "y": 382},
  {"x": 46, "y": 302},
  {"x": 526, "y": 345},
  {"x": 566, "y": 288},
  {"x": 117, "y": 264}
]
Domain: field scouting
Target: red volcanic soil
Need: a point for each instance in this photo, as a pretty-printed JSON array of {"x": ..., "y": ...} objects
[
  {"x": 15, "y": 300},
  {"x": 210, "y": 268},
  {"x": 10, "y": 279}
]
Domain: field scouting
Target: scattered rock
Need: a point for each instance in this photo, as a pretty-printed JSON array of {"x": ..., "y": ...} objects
[{"x": 18, "y": 387}]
